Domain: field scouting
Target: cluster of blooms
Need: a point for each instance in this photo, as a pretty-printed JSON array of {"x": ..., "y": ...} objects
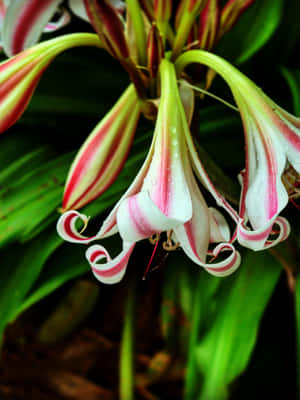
[{"x": 165, "y": 196}]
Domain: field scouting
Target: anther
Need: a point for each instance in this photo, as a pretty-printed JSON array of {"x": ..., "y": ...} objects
[
  {"x": 294, "y": 203},
  {"x": 169, "y": 245},
  {"x": 154, "y": 238},
  {"x": 85, "y": 225}
]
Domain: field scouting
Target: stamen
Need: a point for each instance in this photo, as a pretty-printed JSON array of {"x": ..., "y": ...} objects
[
  {"x": 291, "y": 180},
  {"x": 197, "y": 88},
  {"x": 154, "y": 238},
  {"x": 275, "y": 232},
  {"x": 85, "y": 225},
  {"x": 212, "y": 259},
  {"x": 294, "y": 203},
  {"x": 168, "y": 245},
  {"x": 150, "y": 261}
]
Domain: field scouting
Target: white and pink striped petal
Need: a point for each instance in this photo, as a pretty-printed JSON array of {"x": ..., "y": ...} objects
[
  {"x": 113, "y": 270},
  {"x": 206, "y": 226},
  {"x": 24, "y": 23}
]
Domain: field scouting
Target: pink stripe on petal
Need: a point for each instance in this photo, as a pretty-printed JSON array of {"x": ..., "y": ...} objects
[
  {"x": 251, "y": 235},
  {"x": 188, "y": 226},
  {"x": 114, "y": 269},
  {"x": 140, "y": 222},
  {"x": 288, "y": 133},
  {"x": 272, "y": 196},
  {"x": 67, "y": 230},
  {"x": 102, "y": 156},
  {"x": 17, "y": 109},
  {"x": 161, "y": 194},
  {"x": 84, "y": 164},
  {"x": 223, "y": 269},
  {"x": 28, "y": 17},
  {"x": 95, "y": 256}
]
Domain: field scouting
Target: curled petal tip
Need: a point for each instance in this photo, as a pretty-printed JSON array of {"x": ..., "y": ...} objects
[
  {"x": 67, "y": 230},
  {"x": 113, "y": 270}
]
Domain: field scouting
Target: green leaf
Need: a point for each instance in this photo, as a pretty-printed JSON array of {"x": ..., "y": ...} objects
[
  {"x": 28, "y": 202},
  {"x": 253, "y": 30},
  {"x": 292, "y": 77},
  {"x": 21, "y": 270},
  {"x": 23, "y": 165},
  {"x": 66, "y": 263},
  {"x": 226, "y": 349},
  {"x": 71, "y": 311}
]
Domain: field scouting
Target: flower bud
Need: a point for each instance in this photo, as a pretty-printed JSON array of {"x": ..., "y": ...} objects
[
  {"x": 107, "y": 22},
  {"x": 209, "y": 25},
  {"x": 155, "y": 50},
  {"x": 103, "y": 154}
]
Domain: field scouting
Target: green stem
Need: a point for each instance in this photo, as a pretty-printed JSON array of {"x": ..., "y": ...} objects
[
  {"x": 135, "y": 13},
  {"x": 191, "y": 370},
  {"x": 127, "y": 349},
  {"x": 232, "y": 75}
]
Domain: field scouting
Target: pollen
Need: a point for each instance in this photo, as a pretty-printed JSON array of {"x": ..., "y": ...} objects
[
  {"x": 169, "y": 245},
  {"x": 291, "y": 181}
]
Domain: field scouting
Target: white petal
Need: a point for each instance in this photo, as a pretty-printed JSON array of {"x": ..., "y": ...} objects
[
  {"x": 77, "y": 7},
  {"x": 219, "y": 229}
]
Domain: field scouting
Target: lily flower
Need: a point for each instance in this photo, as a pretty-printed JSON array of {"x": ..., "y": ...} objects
[
  {"x": 272, "y": 137},
  {"x": 103, "y": 154},
  {"x": 20, "y": 74},
  {"x": 164, "y": 197}
]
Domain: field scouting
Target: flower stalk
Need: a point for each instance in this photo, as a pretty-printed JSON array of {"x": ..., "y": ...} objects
[
  {"x": 126, "y": 386},
  {"x": 20, "y": 75}
]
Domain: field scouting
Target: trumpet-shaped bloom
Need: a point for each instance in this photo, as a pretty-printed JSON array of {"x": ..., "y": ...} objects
[
  {"x": 103, "y": 154},
  {"x": 20, "y": 74},
  {"x": 272, "y": 145},
  {"x": 272, "y": 138},
  {"x": 163, "y": 197}
]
